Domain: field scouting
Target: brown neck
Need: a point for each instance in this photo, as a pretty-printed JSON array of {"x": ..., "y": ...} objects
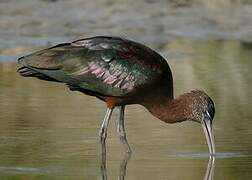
[{"x": 170, "y": 110}]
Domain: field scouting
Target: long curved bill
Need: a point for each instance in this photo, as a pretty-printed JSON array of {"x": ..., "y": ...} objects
[{"x": 208, "y": 130}]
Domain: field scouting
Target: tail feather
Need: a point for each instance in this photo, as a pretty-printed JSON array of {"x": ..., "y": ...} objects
[
  {"x": 24, "y": 71},
  {"x": 27, "y": 72}
]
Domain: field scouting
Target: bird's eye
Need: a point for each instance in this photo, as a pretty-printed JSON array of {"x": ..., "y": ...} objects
[
  {"x": 207, "y": 116},
  {"x": 207, "y": 113},
  {"x": 211, "y": 109}
]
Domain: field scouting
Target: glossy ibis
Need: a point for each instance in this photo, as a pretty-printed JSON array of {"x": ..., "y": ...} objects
[{"x": 121, "y": 72}]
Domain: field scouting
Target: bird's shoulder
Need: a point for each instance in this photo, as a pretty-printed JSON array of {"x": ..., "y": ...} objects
[
  {"x": 109, "y": 48},
  {"x": 123, "y": 64}
]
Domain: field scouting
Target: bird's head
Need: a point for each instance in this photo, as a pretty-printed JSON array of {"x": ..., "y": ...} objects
[
  {"x": 203, "y": 112},
  {"x": 194, "y": 106}
]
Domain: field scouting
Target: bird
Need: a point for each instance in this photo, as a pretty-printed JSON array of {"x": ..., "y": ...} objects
[{"x": 121, "y": 72}]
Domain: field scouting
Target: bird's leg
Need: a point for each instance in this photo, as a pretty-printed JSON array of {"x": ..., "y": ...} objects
[
  {"x": 104, "y": 128},
  {"x": 121, "y": 130}
]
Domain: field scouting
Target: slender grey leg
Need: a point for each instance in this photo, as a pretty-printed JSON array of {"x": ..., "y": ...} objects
[
  {"x": 121, "y": 130},
  {"x": 104, "y": 128}
]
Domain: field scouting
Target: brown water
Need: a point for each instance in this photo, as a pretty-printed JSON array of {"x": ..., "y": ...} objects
[{"x": 49, "y": 132}]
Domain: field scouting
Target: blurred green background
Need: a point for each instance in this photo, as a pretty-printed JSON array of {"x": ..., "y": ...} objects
[{"x": 48, "y": 132}]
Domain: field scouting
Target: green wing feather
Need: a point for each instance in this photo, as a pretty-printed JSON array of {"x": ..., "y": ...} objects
[{"x": 105, "y": 65}]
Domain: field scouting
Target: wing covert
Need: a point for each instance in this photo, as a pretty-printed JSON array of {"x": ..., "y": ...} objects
[{"x": 107, "y": 65}]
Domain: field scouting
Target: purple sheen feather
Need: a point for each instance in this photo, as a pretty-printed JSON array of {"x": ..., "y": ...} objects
[
  {"x": 119, "y": 83},
  {"x": 97, "y": 71},
  {"x": 117, "y": 73},
  {"x": 106, "y": 74},
  {"x": 100, "y": 74},
  {"x": 127, "y": 86},
  {"x": 110, "y": 79},
  {"x": 93, "y": 66}
]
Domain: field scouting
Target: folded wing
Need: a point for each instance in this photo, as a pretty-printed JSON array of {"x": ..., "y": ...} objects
[{"x": 108, "y": 66}]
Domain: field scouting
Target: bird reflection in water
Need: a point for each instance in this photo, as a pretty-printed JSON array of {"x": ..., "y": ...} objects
[
  {"x": 209, "y": 175},
  {"x": 123, "y": 165}
]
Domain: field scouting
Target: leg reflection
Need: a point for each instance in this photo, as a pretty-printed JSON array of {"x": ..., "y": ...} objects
[
  {"x": 210, "y": 169},
  {"x": 123, "y": 166},
  {"x": 103, "y": 163}
]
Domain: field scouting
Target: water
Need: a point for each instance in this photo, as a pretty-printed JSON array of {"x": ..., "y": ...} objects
[{"x": 49, "y": 132}]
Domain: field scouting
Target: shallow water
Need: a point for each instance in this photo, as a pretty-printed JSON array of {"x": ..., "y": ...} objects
[{"x": 49, "y": 132}]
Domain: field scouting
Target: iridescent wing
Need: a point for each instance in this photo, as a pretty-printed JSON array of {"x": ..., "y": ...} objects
[{"x": 108, "y": 66}]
